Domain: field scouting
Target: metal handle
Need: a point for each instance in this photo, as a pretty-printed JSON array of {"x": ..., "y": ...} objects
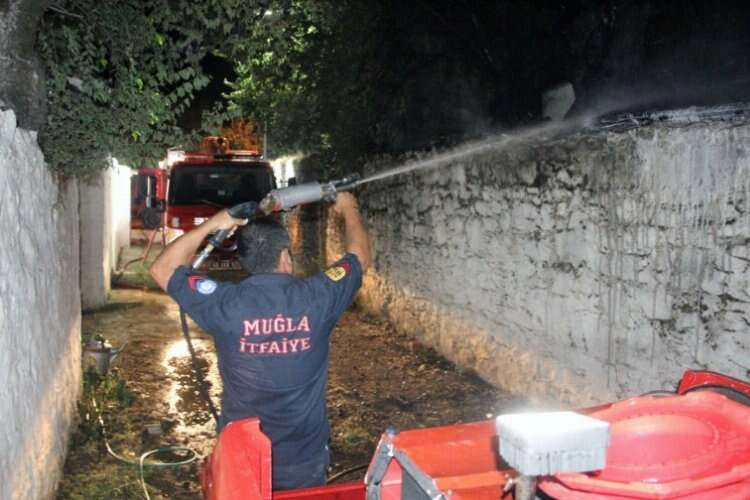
[{"x": 246, "y": 210}]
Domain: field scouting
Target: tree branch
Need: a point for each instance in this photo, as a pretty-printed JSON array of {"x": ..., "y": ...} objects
[{"x": 60, "y": 10}]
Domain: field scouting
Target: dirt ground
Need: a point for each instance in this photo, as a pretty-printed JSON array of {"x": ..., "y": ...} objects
[{"x": 377, "y": 378}]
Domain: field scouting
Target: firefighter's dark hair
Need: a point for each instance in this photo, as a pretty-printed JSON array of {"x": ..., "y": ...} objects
[{"x": 260, "y": 243}]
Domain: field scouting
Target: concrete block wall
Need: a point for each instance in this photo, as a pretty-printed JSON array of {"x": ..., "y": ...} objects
[
  {"x": 574, "y": 271},
  {"x": 105, "y": 230},
  {"x": 96, "y": 231},
  {"x": 40, "y": 318},
  {"x": 120, "y": 176}
]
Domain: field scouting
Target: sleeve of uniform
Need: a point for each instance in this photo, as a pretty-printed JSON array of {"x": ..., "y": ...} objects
[
  {"x": 336, "y": 287},
  {"x": 196, "y": 294}
]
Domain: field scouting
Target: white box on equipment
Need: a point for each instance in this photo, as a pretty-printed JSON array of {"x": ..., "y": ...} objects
[{"x": 538, "y": 444}]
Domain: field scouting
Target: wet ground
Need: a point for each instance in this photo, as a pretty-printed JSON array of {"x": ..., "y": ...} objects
[{"x": 377, "y": 378}]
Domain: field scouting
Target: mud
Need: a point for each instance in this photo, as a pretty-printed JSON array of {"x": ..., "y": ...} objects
[{"x": 378, "y": 378}]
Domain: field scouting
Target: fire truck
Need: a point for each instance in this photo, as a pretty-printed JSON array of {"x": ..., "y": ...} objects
[{"x": 188, "y": 187}]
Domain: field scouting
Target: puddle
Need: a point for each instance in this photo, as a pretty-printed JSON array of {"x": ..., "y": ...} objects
[{"x": 193, "y": 420}]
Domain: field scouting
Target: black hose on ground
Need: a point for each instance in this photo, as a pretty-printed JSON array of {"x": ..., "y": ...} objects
[
  {"x": 247, "y": 210},
  {"x": 196, "y": 368}
]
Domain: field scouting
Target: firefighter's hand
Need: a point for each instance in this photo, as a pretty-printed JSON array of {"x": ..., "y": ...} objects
[
  {"x": 222, "y": 220},
  {"x": 345, "y": 202}
]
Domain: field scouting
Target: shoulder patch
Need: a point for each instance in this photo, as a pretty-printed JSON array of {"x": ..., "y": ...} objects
[
  {"x": 336, "y": 273},
  {"x": 202, "y": 284},
  {"x": 206, "y": 287}
]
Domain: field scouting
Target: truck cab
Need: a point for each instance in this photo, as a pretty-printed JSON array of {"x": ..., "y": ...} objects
[
  {"x": 188, "y": 187},
  {"x": 201, "y": 184}
]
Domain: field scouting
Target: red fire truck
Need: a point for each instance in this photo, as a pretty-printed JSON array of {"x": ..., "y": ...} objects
[{"x": 189, "y": 187}]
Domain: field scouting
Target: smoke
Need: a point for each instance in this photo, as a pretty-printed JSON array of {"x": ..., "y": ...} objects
[
  {"x": 672, "y": 54},
  {"x": 655, "y": 94}
]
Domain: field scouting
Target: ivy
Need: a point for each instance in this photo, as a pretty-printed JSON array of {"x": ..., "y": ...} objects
[
  {"x": 340, "y": 79},
  {"x": 120, "y": 75},
  {"x": 278, "y": 70}
]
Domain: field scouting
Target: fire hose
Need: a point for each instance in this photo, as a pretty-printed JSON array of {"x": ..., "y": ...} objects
[{"x": 276, "y": 200}]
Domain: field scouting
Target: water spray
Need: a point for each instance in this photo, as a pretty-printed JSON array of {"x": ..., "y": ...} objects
[
  {"x": 289, "y": 197},
  {"x": 497, "y": 142}
]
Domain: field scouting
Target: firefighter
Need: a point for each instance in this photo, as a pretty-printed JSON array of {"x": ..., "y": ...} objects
[{"x": 272, "y": 332}]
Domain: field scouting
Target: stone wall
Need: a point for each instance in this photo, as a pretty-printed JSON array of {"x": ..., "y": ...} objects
[
  {"x": 577, "y": 270},
  {"x": 40, "y": 317}
]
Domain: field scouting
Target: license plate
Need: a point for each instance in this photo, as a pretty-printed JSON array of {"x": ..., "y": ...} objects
[{"x": 224, "y": 265}]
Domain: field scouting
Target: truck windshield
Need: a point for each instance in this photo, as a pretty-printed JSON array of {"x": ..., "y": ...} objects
[{"x": 217, "y": 184}]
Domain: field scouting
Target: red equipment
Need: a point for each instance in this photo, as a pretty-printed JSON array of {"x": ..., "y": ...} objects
[
  {"x": 240, "y": 443},
  {"x": 148, "y": 193},
  {"x": 693, "y": 444},
  {"x": 695, "y": 380}
]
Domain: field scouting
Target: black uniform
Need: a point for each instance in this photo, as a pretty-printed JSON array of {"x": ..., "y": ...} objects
[{"x": 271, "y": 333}]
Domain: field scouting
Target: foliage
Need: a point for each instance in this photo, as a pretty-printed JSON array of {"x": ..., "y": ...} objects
[
  {"x": 344, "y": 79},
  {"x": 111, "y": 479},
  {"x": 109, "y": 391},
  {"x": 285, "y": 70},
  {"x": 120, "y": 74},
  {"x": 350, "y": 78},
  {"x": 337, "y": 79}
]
